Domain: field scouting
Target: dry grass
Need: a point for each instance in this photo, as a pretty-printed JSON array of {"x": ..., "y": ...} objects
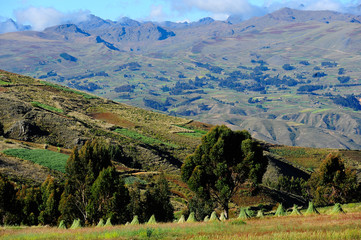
[
  {"x": 302, "y": 156},
  {"x": 323, "y": 227},
  {"x": 113, "y": 119}
]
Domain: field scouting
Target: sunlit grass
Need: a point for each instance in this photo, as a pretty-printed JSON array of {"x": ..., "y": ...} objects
[
  {"x": 140, "y": 137},
  {"x": 345, "y": 226},
  {"x": 322, "y": 110},
  {"x": 4, "y": 83},
  {"x": 47, "y": 107},
  {"x": 305, "y": 157}
]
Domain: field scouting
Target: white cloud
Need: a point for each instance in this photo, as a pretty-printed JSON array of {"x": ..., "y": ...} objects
[
  {"x": 157, "y": 13},
  {"x": 245, "y": 8},
  {"x": 41, "y": 18},
  {"x": 219, "y": 8},
  {"x": 326, "y": 5},
  {"x": 333, "y": 5},
  {"x": 220, "y": 16}
]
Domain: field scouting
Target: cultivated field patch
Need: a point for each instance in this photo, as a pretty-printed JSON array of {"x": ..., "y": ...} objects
[{"x": 46, "y": 158}]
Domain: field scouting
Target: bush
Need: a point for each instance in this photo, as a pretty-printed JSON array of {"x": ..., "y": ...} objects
[
  {"x": 341, "y": 71},
  {"x": 288, "y": 67},
  {"x": 344, "y": 79},
  {"x": 333, "y": 182},
  {"x": 306, "y": 63},
  {"x": 292, "y": 185},
  {"x": 319, "y": 75},
  {"x": 329, "y": 64}
]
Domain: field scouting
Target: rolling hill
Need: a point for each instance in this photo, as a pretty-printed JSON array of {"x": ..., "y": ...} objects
[
  {"x": 290, "y": 77},
  {"x": 42, "y": 122}
]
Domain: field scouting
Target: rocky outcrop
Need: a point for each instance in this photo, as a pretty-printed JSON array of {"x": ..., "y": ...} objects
[{"x": 27, "y": 123}]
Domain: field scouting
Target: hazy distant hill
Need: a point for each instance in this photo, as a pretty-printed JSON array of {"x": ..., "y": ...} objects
[{"x": 289, "y": 77}]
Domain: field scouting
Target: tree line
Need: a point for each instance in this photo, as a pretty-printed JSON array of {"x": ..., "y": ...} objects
[
  {"x": 92, "y": 190},
  {"x": 221, "y": 165}
]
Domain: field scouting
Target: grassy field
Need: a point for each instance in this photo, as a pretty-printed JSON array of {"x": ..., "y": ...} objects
[
  {"x": 46, "y": 158},
  {"x": 197, "y": 133},
  {"x": 140, "y": 137},
  {"x": 47, "y": 107},
  {"x": 324, "y": 226},
  {"x": 305, "y": 157}
]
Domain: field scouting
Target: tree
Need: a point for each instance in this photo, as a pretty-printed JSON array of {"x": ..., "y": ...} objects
[
  {"x": 222, "y": 163},
  {"x": 157, "y": 201},
  {"x": 136, "y": 206},
  {"x": 82, "y": 169},
  {"x": 109, "y": 197},
  {"x": 333, "y": 182},
  {"x": 50, "y": 192},
  {"x": 29, "y": 199},
  {"x": 7, "y": 202}
]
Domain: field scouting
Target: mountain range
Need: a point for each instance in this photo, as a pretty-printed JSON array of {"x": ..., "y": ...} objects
[{"x": 290, "y": 77}]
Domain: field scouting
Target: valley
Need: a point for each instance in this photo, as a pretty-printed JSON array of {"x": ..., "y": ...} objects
[{"x": 290, "y": 77}]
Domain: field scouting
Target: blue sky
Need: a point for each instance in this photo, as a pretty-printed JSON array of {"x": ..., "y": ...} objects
[{"x": 44, "y": 13}]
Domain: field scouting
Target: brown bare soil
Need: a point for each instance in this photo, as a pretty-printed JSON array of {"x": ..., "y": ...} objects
[
  {"x": 200, "y": 125},
  {"x": 113, "y": 119}
]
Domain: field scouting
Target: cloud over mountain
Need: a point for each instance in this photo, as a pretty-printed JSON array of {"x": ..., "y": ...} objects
[
  {"x": 219, "y": 8},
  {"x": 246, "y": 9},
  {"x": 174, "y": 10},
  {"x": 41, "y": 18}
]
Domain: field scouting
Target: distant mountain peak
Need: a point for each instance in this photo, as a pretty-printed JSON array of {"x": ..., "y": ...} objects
[
  {"x": 69, "y": 31},
  {"x": 206, "y": 20},
  {"x": 326, "y": 16},
  {"x": 235, "y": 19},
  {"x": 94, "y": 22},
  {"x": 125, "y": 21}
]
